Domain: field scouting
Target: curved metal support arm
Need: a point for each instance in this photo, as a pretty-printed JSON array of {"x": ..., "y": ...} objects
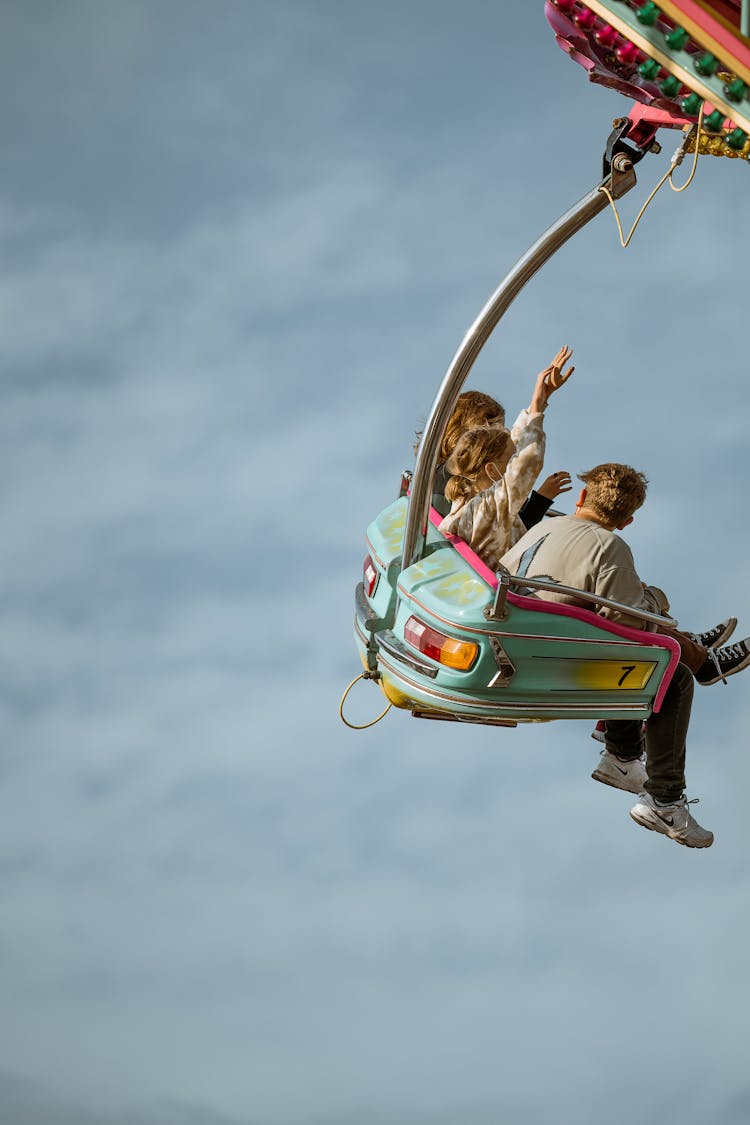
[
  {"x": 584, "y": 595},
  {"x": 622, "y": 179}
]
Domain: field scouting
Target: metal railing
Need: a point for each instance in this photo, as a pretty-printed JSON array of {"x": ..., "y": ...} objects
[{"x": 498, "y": 612}]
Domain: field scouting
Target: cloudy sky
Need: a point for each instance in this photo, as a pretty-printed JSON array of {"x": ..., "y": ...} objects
[{"x": 240, "y": 242}]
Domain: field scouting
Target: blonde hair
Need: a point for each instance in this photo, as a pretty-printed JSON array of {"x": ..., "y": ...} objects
[
  {"x": 614, "y": 492},
  {"x": 473, "y": 450},
  {"x": 473, "y": 408}
]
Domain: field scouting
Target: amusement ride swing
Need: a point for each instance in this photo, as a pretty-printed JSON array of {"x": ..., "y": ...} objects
[{"x": 441, "y": 634}]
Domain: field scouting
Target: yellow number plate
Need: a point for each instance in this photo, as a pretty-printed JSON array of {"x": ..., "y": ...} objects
[{"x": 607, "y": 675}]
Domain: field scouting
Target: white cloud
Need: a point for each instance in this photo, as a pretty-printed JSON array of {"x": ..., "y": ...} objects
[{"x": 215, "y": 894}]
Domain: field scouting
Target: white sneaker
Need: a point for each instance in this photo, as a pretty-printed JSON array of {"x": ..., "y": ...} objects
[
  {"x": 613, "y": 771},
  {"x": 672, "y": 820}
]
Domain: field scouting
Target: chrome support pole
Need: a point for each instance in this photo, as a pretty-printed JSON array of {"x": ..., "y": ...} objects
[
  {"x": 745, "y": 18},
  {"x": 621, "y": 180}
]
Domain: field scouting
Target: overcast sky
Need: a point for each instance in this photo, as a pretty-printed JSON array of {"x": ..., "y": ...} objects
[{"x": 241, "y": 242}]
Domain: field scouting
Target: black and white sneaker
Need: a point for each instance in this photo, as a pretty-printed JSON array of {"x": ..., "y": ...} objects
[
  {"x": 723, "y": 662},
  {"x": 719, "y": 635}
]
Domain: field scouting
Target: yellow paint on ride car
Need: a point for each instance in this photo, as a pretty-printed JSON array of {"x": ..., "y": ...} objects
[
  {"x": 432, "y": 567},
  {"x": 461, "y": 589},
  {"x": 393, "y": 693},
  {"x": 607, "y": 675},
  {"x": 391, "y": 526}
]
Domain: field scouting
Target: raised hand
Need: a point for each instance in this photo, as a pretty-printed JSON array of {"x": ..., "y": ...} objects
[
  {"x": 551, "y": 379},
  {"x": 554, "y": 376},
  {"x": 554, "y": 484}
]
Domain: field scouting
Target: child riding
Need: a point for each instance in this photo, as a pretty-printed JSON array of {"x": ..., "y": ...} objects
[{"x": 492, "y": 470}]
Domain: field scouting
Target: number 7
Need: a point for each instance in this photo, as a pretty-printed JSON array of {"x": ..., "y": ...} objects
[{"x": 626, "y": 670}]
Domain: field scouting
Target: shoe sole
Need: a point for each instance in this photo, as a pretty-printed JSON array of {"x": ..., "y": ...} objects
[
  {"x": 606, "y": 779},
  {"x": 664, "y": 831},
  {"x": 731, "y": 626}
]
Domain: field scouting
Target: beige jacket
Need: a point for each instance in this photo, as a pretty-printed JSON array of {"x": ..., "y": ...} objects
[
  {"x": 578, "y": 553},
  {"x": 489, "y": 521}
]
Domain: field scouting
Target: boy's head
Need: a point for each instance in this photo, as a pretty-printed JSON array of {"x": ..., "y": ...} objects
[
  {"x": 613, "y": 492},
  {"x": 473, "y": 408}
]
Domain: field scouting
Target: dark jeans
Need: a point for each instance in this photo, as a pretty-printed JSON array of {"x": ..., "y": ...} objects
[{"x": 665, "y": 738}]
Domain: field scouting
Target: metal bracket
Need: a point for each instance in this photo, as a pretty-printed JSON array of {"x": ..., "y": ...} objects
[
  {"x": 506, "y": 669},
  {"x": 499, "y": 611},
  {"x": 617, "y": 145},
  {"x": 623, "y": 177},
  {"x": 372, "y": 672}
]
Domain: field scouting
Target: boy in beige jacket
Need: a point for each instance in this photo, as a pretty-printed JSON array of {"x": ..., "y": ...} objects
[{"x": 583, "y": 551}]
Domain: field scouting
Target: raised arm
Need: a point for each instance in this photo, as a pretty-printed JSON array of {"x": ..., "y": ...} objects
[{"x": 524, "y": 467}]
